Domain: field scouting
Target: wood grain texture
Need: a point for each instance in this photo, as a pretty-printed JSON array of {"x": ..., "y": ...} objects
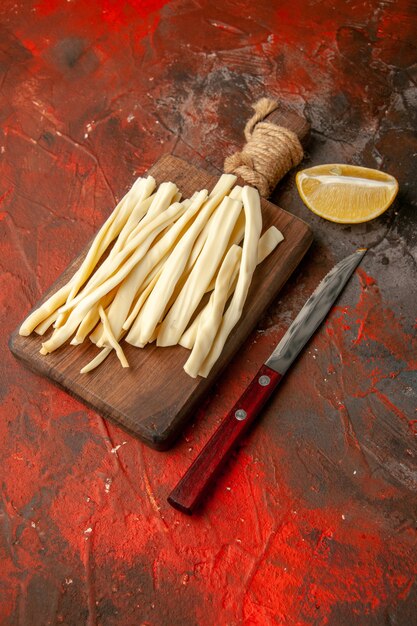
[{"x": 154, "y": 397}]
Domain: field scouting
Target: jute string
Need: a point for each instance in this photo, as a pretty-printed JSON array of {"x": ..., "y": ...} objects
[{"x": 270, "y": 152}]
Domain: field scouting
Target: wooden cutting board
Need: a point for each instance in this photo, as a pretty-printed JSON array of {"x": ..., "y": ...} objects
[{"x": 154, "y": 397}]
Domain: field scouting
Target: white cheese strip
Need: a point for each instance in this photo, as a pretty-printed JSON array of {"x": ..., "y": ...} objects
[
  {"x": 43, "y": 326},
  {"x": 137, "y": 214},
  {"x": 123, "y": 259},
  {"x": 139, "y": 297},
  {"x": 121, "y": 305},
  {"x": 45, "y": 310},
  {"x": 133, "y": 201},
  {"x": 141, "y": 300},
  {"x": 135, "y": 311},
  {"x": 87, "y": 325},
  {"x": 235, "y": 238},
  {"x": 96, "y": 361},
  {"x": 141, "y": 188},
  {"x": 204, "y": 269},
  {"x": 111, "y": 338},
  {"x": 171, "y": 273},
  {"x": 144, "y": 292},
  {"x": 165, "y": 195},
  {"x": 267, "y": 243},
  {"x": 97, "y": 335},
  {"x": 145, "y": 238},
  {"x": 235, "y": 194},
  {"x": 188, "y": 338},
  {"x": 107, "y": 233},
  {"x": 223, "y": 185},
  {"x": 92, "y": 318},
  {"x": 211, "y": 316},
  {"x": 117, "y": 256},
  {"x": 252, "y": 207}
]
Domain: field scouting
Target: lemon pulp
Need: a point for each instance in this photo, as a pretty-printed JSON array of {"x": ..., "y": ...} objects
[{"x": 347, "y": 194}]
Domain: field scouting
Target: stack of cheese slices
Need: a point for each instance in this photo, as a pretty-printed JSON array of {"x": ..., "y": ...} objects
[{"x": 162, "y": 269}]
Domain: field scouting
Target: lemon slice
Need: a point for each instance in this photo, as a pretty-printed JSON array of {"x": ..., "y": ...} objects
[{"x": 346, "y": 194}]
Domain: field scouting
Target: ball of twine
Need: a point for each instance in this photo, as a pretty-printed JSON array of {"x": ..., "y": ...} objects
[{"x": 270, "y": 152}]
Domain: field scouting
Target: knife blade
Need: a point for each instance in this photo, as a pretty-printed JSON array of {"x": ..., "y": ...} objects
[{"x": 192, "y": 487}]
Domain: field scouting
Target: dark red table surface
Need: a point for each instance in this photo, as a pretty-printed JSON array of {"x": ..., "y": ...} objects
[{"x": 314, "y": 522}]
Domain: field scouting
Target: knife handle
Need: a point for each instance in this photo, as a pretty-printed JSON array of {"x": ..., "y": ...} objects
[{"x": 190, "y": 490}]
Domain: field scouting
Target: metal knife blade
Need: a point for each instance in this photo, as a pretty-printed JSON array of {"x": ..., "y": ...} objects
[{"x": 313, "y": 313}]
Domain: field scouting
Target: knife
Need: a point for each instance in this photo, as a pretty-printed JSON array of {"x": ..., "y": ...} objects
[{"x": 190, "y": 490}]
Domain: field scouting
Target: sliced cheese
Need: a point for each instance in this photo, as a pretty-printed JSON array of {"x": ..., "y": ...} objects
[
  {"x": 142, "y": 188},
  {"x": 141, "y": 301},
  {"x": 119, "y": 310},
  {"x": 166, "y": 194},
  {"x": 267, "y": 243},
  {"x": 96, "y": 361},
  {"x": 211, "y": 316},
  {"x": 120, "y": 253},
  {"x": 171, "y": 273},
  {"x": 145, "y": 238},
  {"x": 107, "y": 233},
  {"x": 111, "y": 338},
  {"x": 92, "y": 318},
  {"x": 45, "y": 310},
  {"x": 47, "y": 323},
  {"x": 203, "y": 271},
  {"x": 252, "y": 207},
  {"x": 235, "y": 194},
  {"x": 130, "y": 254},
  {"x": 223, "y": 185}
]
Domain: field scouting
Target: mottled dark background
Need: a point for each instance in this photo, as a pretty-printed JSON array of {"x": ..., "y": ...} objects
[{"x": 315, "y": 520}]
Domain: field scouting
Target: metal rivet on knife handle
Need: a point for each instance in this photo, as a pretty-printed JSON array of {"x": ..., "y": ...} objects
[
  {"x": 240, "y": 414},
  {"x": 264, "y": 381}
]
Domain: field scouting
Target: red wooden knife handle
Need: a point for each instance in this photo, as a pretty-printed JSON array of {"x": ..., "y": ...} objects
[{"x": 191, "y": 488}]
